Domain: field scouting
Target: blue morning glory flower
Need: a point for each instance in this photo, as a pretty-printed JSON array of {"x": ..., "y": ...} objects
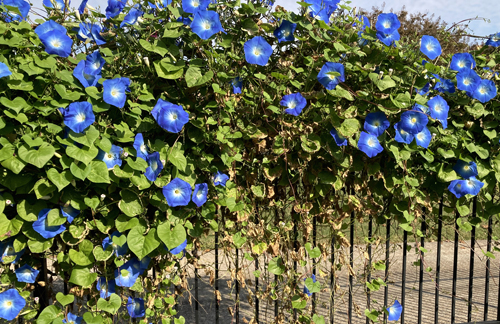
[
  {"x": 94, "y": 63},
  {"x": 88, "y": 71},
  {"x": 155, "y": 166},
  {"x": 9, "y": 252},
  {"x": 114, "y": 91},
  {"x": 200, "y": 194},
  {"x": 4, "y": 70},
  {"x": 194, "y": 6},
  {"x": 294, "y": 102},
  {"x": 185, "y": 20},
  {"x": 439, "y": 108},
  {"x": 395, "y": 311},
  {"x": 468, "y": 80},
  {"x": 485, "y": 91},
  {"x": 284, "y": 33},
  {"x": 178, "y": 249},
  {"x": 128, "y": 278},
  {"x": 117, "y": 249},
  {"x": 106, "y": 287},
  {"x": 402, "y": 136},
  {"x": 369, "y": 144},
  {"x": 444, "y": 85},
  {"x": 322, "y": 9},
  {"x": 177, "y": 193},
  {"x": 42, "y": 227},
  {"x": 376, "y": 123},
  {"x": 132, "y": 17},
  {"x": 59, "y": 4},
  {"x": 135, "y": 307},
  {"x": 327, "y": 77},
  {"x": 138, "y": 266},
  {"x": 430, "y": 46},
  {"x": 114, "y": 8},
  {"x": 220, "y": 179},
  {"x": 494, "y": 40},
  {"x": 237, "y": 83},
  {"x": 90, "y": 31},
  {"x": 306, "y": 290},
  {"x": 72, "y": 319},
  {"x": 462, "y": 61},
  {"x": 423, "y": 138},
  {"x": 206, "y": 23},
  {"x": 78, "y": 116},
  {"x": 460, "y": 188},
  {"x": 387, "y": 23},
  {"x": 466, "y": 169},
  {"x": 170, "y": 117},
  {"x": 69, "y": 212},
  {"x": 81, "y": 8},
  {"x": 257, "y": 51},
  {"x": 23, "y": 6},
  {"x": 339, "y": 139},
  {"x": 11, "y": 304},
  {"x": 26, "y": 274},
  {"x": 140, "y": 147},
  {"x": 112, "y": 157},
  {"x": 49, "y": 25},
  {"x": 54, "y": 38},
  {"x": 388, "y": 39},
  {"x": 413, "y": 121}
]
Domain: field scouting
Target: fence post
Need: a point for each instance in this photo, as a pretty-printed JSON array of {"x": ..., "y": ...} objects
[
  {"x": 42, "y": 291},
  {"x": 438, "y": 261}
]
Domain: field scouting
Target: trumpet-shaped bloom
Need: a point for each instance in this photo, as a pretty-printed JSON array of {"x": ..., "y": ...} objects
[
  {"x": 395, "y": 311},
  {"x": 194, "y": 6},
  {"x": 413, "y": 121},
  {"x": 294, "y": 102},
  {"x": 170, "y": 117},
  {"x": 327, "y": 75},
  {"x": 57, "y": 43},
  {"x": 322, "y": 9},
  {"x": 90, "y": 31},
  {"x": 132, "y": 17},
  {"x": 468, "y": 80},
  {"x": 111, "y": 158},
  {"x": 114, "y": 8},
  {"x": 423, "y": 138},
  {"x": 445, "y": 85},
  {"x": 494, "y": 40},
  {"x": 387, "y": 23},
  {"x": 54, "y": 4},
  {"x": 69, "y": 212},
  {"x": 179, "y": 249},
  {"x": 439, "y": 108},
  {"x": 155, "y": 166},
  {"x": 388, "y": 39},
  {"x": 26, "y": 274},
  {"x": 4, "y": 70},
  {"x": 23, "y": 6},
  {"x": 135, "y": 307},
  {"x": 78, "y": 116},
  {"x": 465, "y": 169},
  {"x": 237, "y": 83},
  {"x": 106, "y": 287},
  {"x": 94, "y": 63},
  {"x": 200, "y": 194},
  {"x": 87, "y": 80},
  {"x": 369, "y": 144},
  {"x": 177, "y": 193},
  {"x": 9, "y": 254},
  {"x": 117, "y": 249},
  {"x": 48, "y": 26},
  {"x": 339, "y": 139},
  {"x": 376, "y": 123},
  {"x": 11, "y": 304},
  {"x": 220, "y": 179},
  {"x": 430, "y": 46},
  {"x": 257, "y": 51},
  {"x": 81, "y": 8},
  {"x": 114, "y": 91},
  {"x": 462, "y": 61},
  {"x": 126, "y": 275},
  {"x": 140, "y": 147},
  {"x": 306, "y": 290},
  {"x": 206, "y": 23},
  {"x": 460, "y": 188},
  {"x": 485, "y": 91},
  {"x": 42, "y": 227},
  {"x": 72, "y": 319},
  {"x": 284, "y": 33},
  {"x": 402, "y": 136}
]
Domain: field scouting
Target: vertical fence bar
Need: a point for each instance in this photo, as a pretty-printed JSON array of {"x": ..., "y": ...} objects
[
  {"x": 455, "y": 264},
  {"x": 369, "y": 270},
  {"x": 216, "y": 277},
  {"x": 386, "y": 277},
  {"x": 42, "y": 291},
  {"x": 314, "y": 264},
  {"x": 438, "y": 261},
  {"x": 332, "y": 282},
  {"x": 403, "y": 274},
  {"x": 421, "y": 271},
  {"x": 237, "y": 306},
  {"x": 296, "y": 249},
  {"x": 256, "y": 278},
  {"x": 471, "y": 264},
  {"x": 488, "y": 272},
  {"x": 196, "y": 294},
  {"x": 351, "y": 263}
]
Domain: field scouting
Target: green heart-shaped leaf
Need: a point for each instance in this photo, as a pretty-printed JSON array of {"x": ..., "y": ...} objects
[
  {"x": 102, "y": 255},
  {"x": 110, "y": 306},
  {"x": 172, "y": 238},
  {"x": 61, "y": 180},
  {"x": 65, "y": 299},
  {"x": 91, "y": 319},
  {"x": 37, "y": 157},
  {"x": 81, "y": 170}
]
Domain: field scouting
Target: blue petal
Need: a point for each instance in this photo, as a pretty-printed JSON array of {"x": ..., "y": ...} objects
[
  {"x": 200, "y": 194},
  {"x": 179, "y": 249},
  {"x": 413, "y": 121},
  {"x": 485, "y": 91},
  {"x": 257, "y": 51},
  {"x": 155, "y": 166},
  {"x": 177, "y": 193},
  {"x": 135, "y": 307},
  {"x": 170, "y": 117},
  {"x": 106, "y": 289},
  {"x": 402, "y": 136},
  {"x": 439, "y": 108},
  {"x": 69, "y": 212},
  {"x": 140, "y": 147},
  {"x": 462, "y": 61},
  {"x": 49, "y": 25},
  {"x": 395, "y": 311},
  {"x": 387, "y": 23},
  {"x": 114, "y": 8},
  {"x": 193, "y": 6},
  {"x": 4, "y": 70},
  {"x": 114, "y": 91},
  {"x": 369, "y": 144},
  {"x": 376, "y": 123},
  {"x": 41, "y": 225},
  {"x": 112, "y": 157},
  {"x": 220, "y": 179},
  {"x": 339, "y": 139},
  {"x": 466, "y": 169},
  {"x": 284, "y": 33},
  {"x": 57, "y": 43},
  {"x": 26, "y": 274},
  {"x": 206, "y": 23},
  {"x": 78, "y": 116},
  {"x": 430, "y": 46},
  {"x": 330, "y": 81},
  {"x": 18, "y": 303},
  {"x": 294, "y": 102},
  {"x": 81, "y": 8},
  {"x": 468, "y": 80},
  {"x": 423, "y": 138}
]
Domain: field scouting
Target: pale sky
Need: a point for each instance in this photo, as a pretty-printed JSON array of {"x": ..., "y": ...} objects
[{"x": 450, "y": 10}]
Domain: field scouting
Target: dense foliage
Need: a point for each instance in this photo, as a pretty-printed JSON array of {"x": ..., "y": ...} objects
[{"x": 128, "y": 136}]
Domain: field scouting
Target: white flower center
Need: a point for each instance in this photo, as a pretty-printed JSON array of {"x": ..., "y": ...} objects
[
  {"x": 466, "y": 168},
  {"x": 438, "y": 108},
  {"x": 332, "y": 77},
  {"x": 206, "y": 25},
  {"x": 7, "y": 304},
  {"x": 172, "y": 116},
  {"x": 80, "y": 117},
  {"x": 154, "y": 165},
  {"x": 387, "y": 24},
  {"x": 421, "y": 136},
  {"x": 110, "y": 156},
  {"x": 177, "y": 192},
  {"x": 143, "y": 148},
  {"x": 114, "y": 92},
  {"x": 292, "y": 104},
  {"x": 55, "y": 43},
  {"x": 466, "y": 82},
  {"x": 482, "y": 90},
  {"x": 257, "y": 51},
  {"x": 430, "y": 47},
  {"x": 96, "y": 65},
  {"x": 199, "y": 194},
  {"x": 195, "y": 3},
  {"x": 286, "y": 33},
  {"x": 371, "y": 142},
  {"x": 27, "y": 271},
  {"x": 459, "y": 186},
  {"x": 413, "y": 120},
  {"x": 461, "y": 64}
]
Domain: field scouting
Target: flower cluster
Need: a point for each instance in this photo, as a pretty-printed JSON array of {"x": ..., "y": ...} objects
[
  {"x": 54, "y": 38},
  {"x": 470, "y": 185}
]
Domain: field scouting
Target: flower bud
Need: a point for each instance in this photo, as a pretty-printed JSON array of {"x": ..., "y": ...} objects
[
  {"x": 77, "y": 14},
  {"x": 90, "y": 7},
  {"x": 103, "y": 196},
  {"x": 146, "y": 60},
  {"x": 125, "y": 154},
  {"x": 8, "y": 202},
  {"x": 380, "y": 75},
  {"x": 390, "y": 72},
  {"x": 163, "y": 162},
  {"x": 36, "y": 300}
]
